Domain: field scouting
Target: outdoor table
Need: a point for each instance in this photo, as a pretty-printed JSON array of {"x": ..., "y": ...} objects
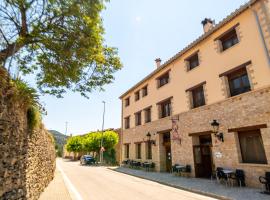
[
  {"x": 228, "y": 172},
  {"x": 147, "y": 165},
  {"x": 179, "y": 167}
]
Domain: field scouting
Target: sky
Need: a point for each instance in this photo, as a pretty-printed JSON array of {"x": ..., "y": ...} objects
[{"x": 142, "y": 30}]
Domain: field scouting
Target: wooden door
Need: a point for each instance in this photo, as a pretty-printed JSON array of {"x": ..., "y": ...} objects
[
  {"x": 168, "y": 158},
  {"x": 202, "y": 161}
]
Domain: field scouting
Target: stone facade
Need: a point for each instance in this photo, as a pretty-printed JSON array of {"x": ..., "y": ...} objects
[
  {"x": 249, "y": 109},
  {"x": 216, "y": 66},
  {"x": 27, "y": 160}
]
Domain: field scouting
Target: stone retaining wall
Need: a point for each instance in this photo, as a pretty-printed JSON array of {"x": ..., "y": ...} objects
[{"x": 27, "y": 160}]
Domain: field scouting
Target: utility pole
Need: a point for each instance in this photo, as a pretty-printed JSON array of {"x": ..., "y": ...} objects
[
  {"x": 66, "y": 128},
  {"x": 102, "y": 130}
]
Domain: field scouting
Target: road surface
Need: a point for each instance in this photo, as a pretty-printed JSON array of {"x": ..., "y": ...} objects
[{"x": 100, "y": 183}]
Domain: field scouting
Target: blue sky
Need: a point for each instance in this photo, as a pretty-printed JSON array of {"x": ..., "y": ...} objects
[{"x": 142, "y": 30}]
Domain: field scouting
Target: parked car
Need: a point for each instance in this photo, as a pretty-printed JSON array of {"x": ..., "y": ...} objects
[{"x": 87, "y": 160}]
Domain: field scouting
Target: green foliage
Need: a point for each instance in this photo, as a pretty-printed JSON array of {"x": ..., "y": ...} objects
[
  {"x": 29, "y": 98},
  {"x": 74, "y": 144},
  {"x": 25, "y": 93},
  {"x": 110, "y": 156},
  {"x": 33, "y": 118},
  {"x": 91, "y": 143},
  {"x": 59, "y": 150},
  {"x": 59, "y": 41}
]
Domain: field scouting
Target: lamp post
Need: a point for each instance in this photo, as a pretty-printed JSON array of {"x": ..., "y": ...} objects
[
  {"x": 102, "y": 130},
  {"x": 66, "y": 128},
  {"x": 148, "y": 135},
  {"x": 215, "y": 130}
]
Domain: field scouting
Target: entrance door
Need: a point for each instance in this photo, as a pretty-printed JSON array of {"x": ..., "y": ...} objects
[
  {"x": 168, "y": 158},
  {"x": 203, "y": 157}
]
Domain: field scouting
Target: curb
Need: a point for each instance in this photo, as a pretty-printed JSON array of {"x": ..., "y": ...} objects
[{"x": 176, "y": 186}]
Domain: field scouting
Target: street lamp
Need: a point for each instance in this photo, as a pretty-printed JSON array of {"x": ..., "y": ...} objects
[
  {"x": 215, "y": 130},
  {"x": 148, "y": 135},
  {"x": 102, "y": 130}
]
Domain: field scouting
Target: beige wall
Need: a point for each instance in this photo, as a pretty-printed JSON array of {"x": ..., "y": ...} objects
[
  {"x": 212, "y": 63},
  {"x": 244, "y": 110}
]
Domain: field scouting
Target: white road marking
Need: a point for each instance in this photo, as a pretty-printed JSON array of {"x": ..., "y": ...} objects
[{"x": 69, "y": 184}]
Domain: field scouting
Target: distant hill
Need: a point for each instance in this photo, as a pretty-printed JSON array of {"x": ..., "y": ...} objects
[{"x": 60, "y": 139}]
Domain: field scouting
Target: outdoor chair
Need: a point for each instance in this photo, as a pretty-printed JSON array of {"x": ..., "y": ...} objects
[
  {"x": 186, "y": 171},
  {"x": 221, "y": 176},
  {"x": 137, "y": 164},
  {"x": 152, "y": 166},
  {"x": 265, "y": 181},
  {"x": 174, "y": 170},
  {"x": 125, "y": 163},
  {"x": 239, "y": 176}
]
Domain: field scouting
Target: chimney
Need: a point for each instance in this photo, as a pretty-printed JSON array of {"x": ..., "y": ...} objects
[
  {"x": 208, "y": 24},
  {"x": 158, "y": 62}
]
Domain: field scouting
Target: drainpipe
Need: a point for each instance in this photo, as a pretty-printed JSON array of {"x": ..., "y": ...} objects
[
  {"x": 121, "y": 132},
  {"x": 255, "y": 14}
]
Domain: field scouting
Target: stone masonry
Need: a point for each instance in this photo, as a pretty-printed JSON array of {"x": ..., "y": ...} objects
[
  {"x": 248, "y": 109},
  {"x": 27, "y": 160}
]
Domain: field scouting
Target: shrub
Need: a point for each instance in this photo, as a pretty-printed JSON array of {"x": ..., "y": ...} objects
[
  {"x": 33, "y": 118},
  {"x": 26, "y": 94}
]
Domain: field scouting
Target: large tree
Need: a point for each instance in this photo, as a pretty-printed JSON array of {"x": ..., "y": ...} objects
[{"x": 60, "y": 41}]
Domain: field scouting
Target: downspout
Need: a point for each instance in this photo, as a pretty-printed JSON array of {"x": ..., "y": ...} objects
[
  {"x": 121, "y": 132},
  {"x": 255, "y": 14}
]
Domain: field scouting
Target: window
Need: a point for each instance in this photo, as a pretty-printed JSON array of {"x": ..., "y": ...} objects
[
  {"x": 139, "y": 151},
  {"x": 251, "y": 146},
  {"x": 163, "y": 80},
  {"x": 127, "y": 101},
  {"x": 193, "y": 61},
  {"x": 137, "y": 95},
  {"x": 127, "y": 122},
  {"x": 165, "y": 109},
  {"x": 238, "y": 82},
  {"x": 126, "y": 150},
  {"x": 229, "y": 39},
  {"x": 148, "y": 150},
  {"x": 198, "y": 97},
  {"x": 147, "y": 115},
  {"x": 144, "y": 91},
  {"x": 138, "y": 118}
]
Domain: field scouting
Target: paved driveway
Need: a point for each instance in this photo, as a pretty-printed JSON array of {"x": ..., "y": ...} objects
[{"x": 99, "y": 183}]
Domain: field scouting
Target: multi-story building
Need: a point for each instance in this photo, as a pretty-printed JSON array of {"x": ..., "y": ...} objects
[{"x": 224, "y": 75}]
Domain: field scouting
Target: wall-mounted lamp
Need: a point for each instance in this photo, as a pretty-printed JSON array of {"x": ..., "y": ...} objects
[
  {"x": 148, "y": 135},
  {"x": 215, "y": 130}
]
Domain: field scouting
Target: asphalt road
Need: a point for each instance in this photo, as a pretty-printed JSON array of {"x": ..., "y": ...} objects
[{"x": 100, "y": 183}]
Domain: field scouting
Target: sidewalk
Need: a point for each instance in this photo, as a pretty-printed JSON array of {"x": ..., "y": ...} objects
[
  {"x": 197, "y": 185},
  {"x": 56, "y": 190}
]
